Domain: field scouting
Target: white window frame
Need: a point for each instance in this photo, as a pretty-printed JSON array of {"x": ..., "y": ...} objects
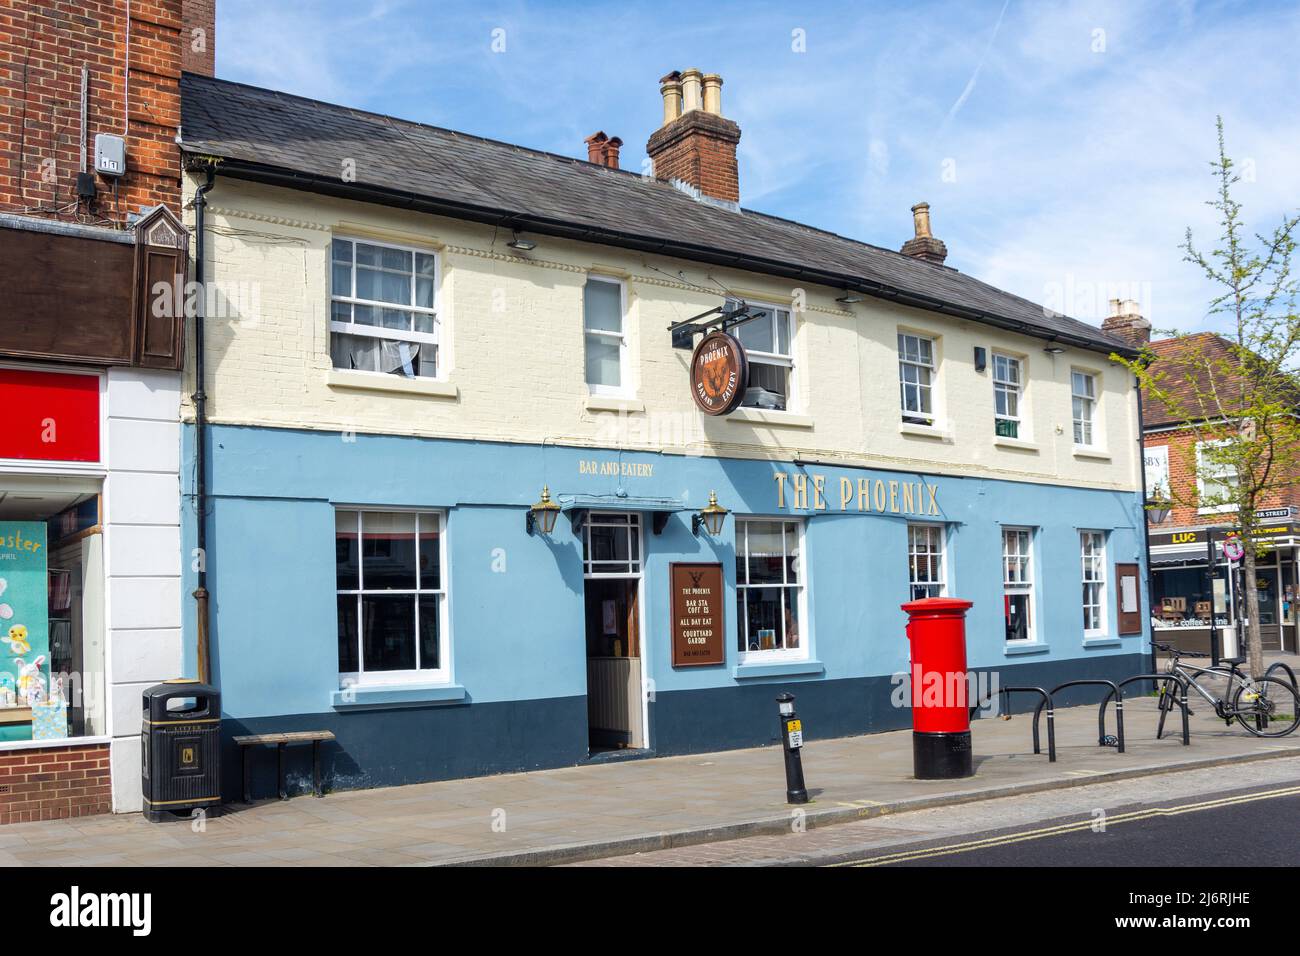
[
  {"x": 636, "y": 556},
  {"x": 1015, "y": 388},
  {"x": 936, "y": 545},
  {"x": 1022, "y": 585},
  {"x": 375, "y": 332},
  {"x": 774, "y": 358},
  {"x": 439, "y": 675},
  {"x": 623, "y": 388},
  {"x": 801, "y": 570},
  {"x": 1224, "y": 474},
  {"x": 1092, "y": 401},
  {"x": 928, "y": 370},
  {"x": 1093, "y": 573}
]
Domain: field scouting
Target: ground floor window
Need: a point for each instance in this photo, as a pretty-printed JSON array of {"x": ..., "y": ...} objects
[
  {"x": 769, "y": 587},
  {"x": 1092, "y": 553},
  {"x": 1018, "y": 583},
  {"x": 1182, "y": 597},
  {"x": 391, "y": 598},
  {"x": 925, "y": 560}
]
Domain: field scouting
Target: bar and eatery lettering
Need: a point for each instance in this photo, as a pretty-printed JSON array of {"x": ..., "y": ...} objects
[{"x": 801, "y": 492}]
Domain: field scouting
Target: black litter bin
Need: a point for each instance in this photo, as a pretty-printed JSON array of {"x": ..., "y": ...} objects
[{"x": 180, "y": 744}]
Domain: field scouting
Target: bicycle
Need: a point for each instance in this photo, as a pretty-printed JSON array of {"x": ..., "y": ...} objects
[{"x": 1264, "y": 706}]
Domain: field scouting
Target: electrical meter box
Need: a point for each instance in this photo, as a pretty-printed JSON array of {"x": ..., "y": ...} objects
[{"x": 110, "y": 154}]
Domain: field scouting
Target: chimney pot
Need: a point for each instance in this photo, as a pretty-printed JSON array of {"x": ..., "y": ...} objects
[
  {"x": 923, "y": 245},
  {"x": 612, "y": 146},
  {"x": 596, "y": 147},
  {"x": 670, "y": 87},
  {"x": 1126, "y": 322},
  {"x": 712, "y": 83},
  {"x": 691, "y": 99}
]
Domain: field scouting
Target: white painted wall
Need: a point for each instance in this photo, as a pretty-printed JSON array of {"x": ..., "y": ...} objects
[{"x": 142, "y": 543}]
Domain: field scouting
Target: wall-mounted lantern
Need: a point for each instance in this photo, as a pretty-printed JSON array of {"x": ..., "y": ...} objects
[
  {"x": 711, "y": 517},
  {"x": 542, "y": 515}
]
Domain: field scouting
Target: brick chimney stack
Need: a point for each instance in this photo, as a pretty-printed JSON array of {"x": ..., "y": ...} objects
[
  {"x": 1126, "y": 322},
  {"x": 923, "y": 245},
  {"x": 603, "y": 150},
  {"x": 199, "y": 36},
  {"x": 696, "y": 144}
]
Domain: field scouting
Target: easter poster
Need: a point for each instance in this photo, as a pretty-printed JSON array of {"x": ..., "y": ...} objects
[{"x": 24, "y": 625}]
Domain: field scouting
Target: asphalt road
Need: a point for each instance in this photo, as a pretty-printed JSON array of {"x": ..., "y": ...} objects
[{"x": 1256, "y": 827}]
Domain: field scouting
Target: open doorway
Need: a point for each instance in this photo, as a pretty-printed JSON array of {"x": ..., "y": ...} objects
[{"x": 612, "y": 572}]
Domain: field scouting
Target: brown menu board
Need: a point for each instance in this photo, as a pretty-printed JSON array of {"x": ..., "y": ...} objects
[{"x": 696, "y": 604}]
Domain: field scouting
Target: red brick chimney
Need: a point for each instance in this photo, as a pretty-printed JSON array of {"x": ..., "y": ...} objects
[
  {"x": 923, "y": 245},
  {"x": 696, "y": 145},
  {"x": 1126, "y": 322},
  {"x": 602, "y": 149},
  {"x": 199, "y": 36}
]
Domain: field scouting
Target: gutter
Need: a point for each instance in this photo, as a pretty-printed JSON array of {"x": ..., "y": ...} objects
[{"x": 277, "y": 176}]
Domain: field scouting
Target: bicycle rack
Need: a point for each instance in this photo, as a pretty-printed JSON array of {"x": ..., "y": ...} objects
[
  {"x": 1101, "y": 720},
  {"x": 1262, "y": 722},
  {"x": 1154, "y": 678},
  {"x": 1051, "y": 717}
]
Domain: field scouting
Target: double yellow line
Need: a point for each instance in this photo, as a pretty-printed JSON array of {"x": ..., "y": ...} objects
[{"x": 1026, "y": 835}]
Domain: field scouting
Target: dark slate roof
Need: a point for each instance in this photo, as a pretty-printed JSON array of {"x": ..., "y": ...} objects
[{"x": 274, "y": 137}]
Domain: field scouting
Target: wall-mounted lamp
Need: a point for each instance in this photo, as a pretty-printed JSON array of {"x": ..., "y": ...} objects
[
  {"x": 849, "y": 299},
  {"x": 1054, "y": 349},
  {"x": 542, "y": 515},
  {"x": 1158, "y": 510},
  {"x": 712, "y": 517},
  {"x": 981, "y": 358},
  {"x": 523, "y": 245}
]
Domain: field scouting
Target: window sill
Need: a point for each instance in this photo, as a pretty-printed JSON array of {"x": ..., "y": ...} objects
[
  {"x": 1221, "y": 510},
  {"x": 387, "y": 696},
  {"x": 614, "y": 403},
  {"x": 777, "y": 669},
  {"x": 1102, "y": 642},
  {"x": 1097, "y": 454},
  {"x": 1020, "y": 444},
  {"x": 925, "y": 431},
  {"x": 380, "y": 382},
  {"x": 1026, "y": 647},
  {"x": 765, "y": 416}
]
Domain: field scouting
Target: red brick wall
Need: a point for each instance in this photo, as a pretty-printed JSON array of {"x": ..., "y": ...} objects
[
  {"x": 43, "y": 44},
  {"x": 1182, "y": 480},
  {"x": 199, "y": 15},
  {"x": 698, "y": 148},
  {"x": 54, "y": 783}
]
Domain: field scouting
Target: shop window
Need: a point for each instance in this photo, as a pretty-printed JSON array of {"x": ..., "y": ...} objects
[
  {"x": 1092, "y": 553},
  {"x": 392, "y": 612},
  {"x": 606, "y": 337},
  {"x": 769, "y": 589},
  {"x": 1007, "y": 387},
  {"x": 383, "y": 314},
  {"x": 767, "y": 338},
  {"x": 1083, "y": 398},
  {"x": 611, "y": 544},
  {"x": 916, "y": 377},
  {"x": 1018, "y": 584},
  {"x": 925, "y": 560},
  {"x": 1181, "y": 597}
]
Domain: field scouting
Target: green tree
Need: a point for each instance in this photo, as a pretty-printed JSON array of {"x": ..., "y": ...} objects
[{"x": 1237, "y": 393}]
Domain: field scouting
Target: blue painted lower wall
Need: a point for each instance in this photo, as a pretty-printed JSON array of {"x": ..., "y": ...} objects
[{"x": 517, "y": 692}]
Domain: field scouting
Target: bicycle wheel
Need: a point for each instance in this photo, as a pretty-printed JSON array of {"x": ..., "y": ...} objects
[
  {"x": 1166, "y": 703},
  {"x": 1267, "y": 707}
]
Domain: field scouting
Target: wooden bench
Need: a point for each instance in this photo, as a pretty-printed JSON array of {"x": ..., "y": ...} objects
[{"x": 313, "y": 737}]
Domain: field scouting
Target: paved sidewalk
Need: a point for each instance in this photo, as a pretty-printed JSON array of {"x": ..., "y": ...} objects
[{"x": 599, "y": 810}]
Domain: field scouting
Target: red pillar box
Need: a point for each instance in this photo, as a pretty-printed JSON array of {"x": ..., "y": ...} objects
[{"x": 936, "y": 629}]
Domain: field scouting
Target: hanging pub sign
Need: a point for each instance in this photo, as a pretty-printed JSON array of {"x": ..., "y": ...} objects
[
  {"x": 719, "y": 372},
  {"x": 697, "y": 596}
]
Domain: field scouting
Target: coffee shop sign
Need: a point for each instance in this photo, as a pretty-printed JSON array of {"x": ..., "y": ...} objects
[{"x": 813, "y": 492}]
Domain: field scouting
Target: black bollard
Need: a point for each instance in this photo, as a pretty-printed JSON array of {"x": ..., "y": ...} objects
[{"x": 792, "y": 744}]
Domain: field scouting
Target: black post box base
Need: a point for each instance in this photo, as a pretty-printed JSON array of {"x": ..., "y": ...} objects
[{"x": 942, "y": 756}]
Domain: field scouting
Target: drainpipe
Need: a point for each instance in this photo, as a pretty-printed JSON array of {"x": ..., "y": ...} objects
[
  {"x": 200, "y": 399},
  {"x": 1146, "y": 525}
]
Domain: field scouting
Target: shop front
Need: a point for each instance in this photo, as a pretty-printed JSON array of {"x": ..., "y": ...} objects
[
  {"x": 455, "y": 608},
  {"x": 1185, "y": 598}
]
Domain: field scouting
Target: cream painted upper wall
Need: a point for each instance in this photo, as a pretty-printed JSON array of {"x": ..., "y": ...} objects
[{"x": 513, "y": 368}]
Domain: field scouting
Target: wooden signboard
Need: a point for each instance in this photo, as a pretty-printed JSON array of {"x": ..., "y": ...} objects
[
  {"x": 1128, "y": 599},
  {"x": 696, "y": 603},
  {"x": 719, "y": 373}
]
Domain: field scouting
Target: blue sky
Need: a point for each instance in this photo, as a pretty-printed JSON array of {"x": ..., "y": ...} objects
[{"x": 1063, "y": 147}]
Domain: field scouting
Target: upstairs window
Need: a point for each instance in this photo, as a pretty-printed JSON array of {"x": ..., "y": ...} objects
[
  {"x": 1083, "y": 392},
  {"x": 606, "y": 341},
  {"x": 383, "y": 316},
  {"x": 1007, "y": 386},
  {"x": 916, "y": 377},
  {"x": 767, "y": 341},
  {"x": 1216, "y": 480}
]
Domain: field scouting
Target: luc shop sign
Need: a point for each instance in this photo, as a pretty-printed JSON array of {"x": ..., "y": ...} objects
[
  {"x": 49, "y": 416},
  {"x": 697, "y": 596}
]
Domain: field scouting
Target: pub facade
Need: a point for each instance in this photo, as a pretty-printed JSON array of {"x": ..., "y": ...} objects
[{"x": 570, "y": 464}]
